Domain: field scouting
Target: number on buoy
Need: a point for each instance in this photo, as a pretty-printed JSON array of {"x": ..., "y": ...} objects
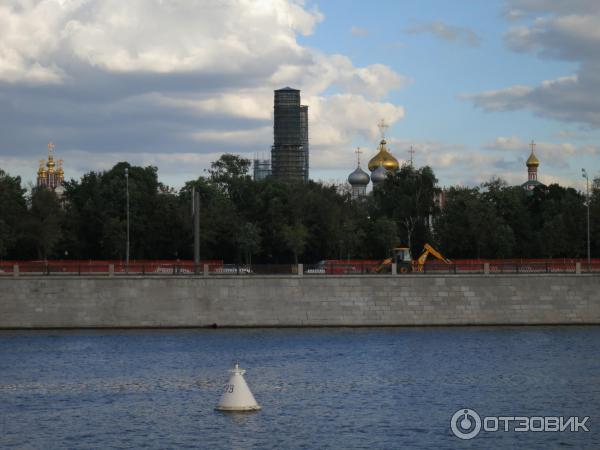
[{"x": 240, "y": 400}]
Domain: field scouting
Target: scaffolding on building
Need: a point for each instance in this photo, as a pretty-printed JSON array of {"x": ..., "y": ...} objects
[
  {"x": 289, "y": 153},
  {"x": 261, "y": 169}
]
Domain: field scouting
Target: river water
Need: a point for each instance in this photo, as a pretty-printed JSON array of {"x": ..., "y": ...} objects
[{"x": 372, "y": 388}]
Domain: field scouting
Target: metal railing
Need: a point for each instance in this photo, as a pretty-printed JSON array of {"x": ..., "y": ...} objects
[{"x": 329, "y": 269}]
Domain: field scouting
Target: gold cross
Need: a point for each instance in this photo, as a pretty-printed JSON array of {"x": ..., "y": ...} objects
[
  {"x": 382, "y": 126},
  {"x": 532, "y": 145},
  {"x": 50, "y": 148},
  {"x": 358, "y": 151}
]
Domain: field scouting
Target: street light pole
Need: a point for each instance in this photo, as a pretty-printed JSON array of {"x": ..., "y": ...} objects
[
  {"x": 587, "y": 202},
  {"x": 127, "y": 200},
  {"x": 196, "y": 200}
]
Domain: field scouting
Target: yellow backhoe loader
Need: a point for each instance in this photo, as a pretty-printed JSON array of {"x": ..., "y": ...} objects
[{"x": 404, "y": 263}]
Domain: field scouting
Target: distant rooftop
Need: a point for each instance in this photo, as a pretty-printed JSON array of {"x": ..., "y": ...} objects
[{"x": 287, "y": 88}]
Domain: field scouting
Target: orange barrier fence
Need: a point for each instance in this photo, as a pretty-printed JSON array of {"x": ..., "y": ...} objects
[{"x": 330, "y": 267}]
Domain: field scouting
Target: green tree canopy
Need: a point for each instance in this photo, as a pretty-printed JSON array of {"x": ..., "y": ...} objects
[
  {"x": 13, "y": 210},
  {"x": 272, "y": 222}
]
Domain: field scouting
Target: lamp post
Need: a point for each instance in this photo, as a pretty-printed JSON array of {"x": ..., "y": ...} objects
[
  {"x": 587, "y": 202},
  {"x": 127, "y": 208}
]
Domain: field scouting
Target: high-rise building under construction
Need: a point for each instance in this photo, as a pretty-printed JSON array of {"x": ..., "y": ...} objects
[{"x": 289, "y": 154}]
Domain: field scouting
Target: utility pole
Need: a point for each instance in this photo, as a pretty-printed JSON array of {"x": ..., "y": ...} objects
[
  {"x": 127, "y": 208},
  {"x": 587, "y": 202},
  {"x": 196, "y": 212}
]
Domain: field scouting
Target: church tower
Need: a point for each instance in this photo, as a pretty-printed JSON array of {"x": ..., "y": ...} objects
[
  {"x": 50, "y": 174},
  {"x": 359, "y": 179},
  {"x": 383, "y": 162},
  {"x": 532, "y": 168}
]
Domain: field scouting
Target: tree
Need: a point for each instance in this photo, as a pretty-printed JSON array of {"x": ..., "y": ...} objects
[
  {"x": 229, "y": 167},
  {"x": 509, "y": 204},
  {"x": 595, "y": 218},
  {"x": 249, "y": 240},
  {"x": 562, "y": 222},
  {"x": 352, "y": 237},
  {"x": 13, "y": 209},
  {"x": 460, "y": 228},
  {"x": 96, "y": 215},
  {"x": 407, "y": 197},
  {"x": 295, "y": 237},
  {"x": 7, "y": 238},
  {"x": 230, "y": 174},
  {"x": 385, "y": 237},
  {"x": 45, "y": 220}
]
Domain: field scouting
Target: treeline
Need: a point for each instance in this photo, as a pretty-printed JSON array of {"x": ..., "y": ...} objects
[{"x": 242, "y": 220}]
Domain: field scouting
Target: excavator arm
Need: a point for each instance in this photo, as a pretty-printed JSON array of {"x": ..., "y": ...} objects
[
  {"x": 385, "y": 263},
  {"x": 428, "y": 249}
]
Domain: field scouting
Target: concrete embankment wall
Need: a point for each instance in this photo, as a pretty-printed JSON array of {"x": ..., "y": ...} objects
[{"x": 81, "y": 302}]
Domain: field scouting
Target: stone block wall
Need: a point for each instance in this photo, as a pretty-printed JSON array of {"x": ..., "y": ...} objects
[{"x": 253, "y": 301}]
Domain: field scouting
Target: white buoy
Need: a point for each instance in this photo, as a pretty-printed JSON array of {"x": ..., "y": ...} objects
[{"x": 237, "y": 395}]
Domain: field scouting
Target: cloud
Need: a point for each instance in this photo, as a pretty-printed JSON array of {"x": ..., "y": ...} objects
[
  {"x": 504, "y": 157},
  {"x": 159, "y": 36},
  {"x": 359, "y": 31},
  {"x": 337, "y": 71},
  {"x": 556, "y": 155},
  {"x": 559, "y": 30},
  {"x": 464, "y": 165},
  {"x": 458, "y": 164},
  {"x": 171, "y": 77},
  {"x": 558, "y": 6},
  {"x": 450, "y": 33}
]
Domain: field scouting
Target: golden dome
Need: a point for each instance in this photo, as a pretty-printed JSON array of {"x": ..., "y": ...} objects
[
  {"x": 41, "y": 171},
  {"x": 383, "y": 157},
  {"x": 532, "y": 161},
  {"x": 50, "y": 164}
]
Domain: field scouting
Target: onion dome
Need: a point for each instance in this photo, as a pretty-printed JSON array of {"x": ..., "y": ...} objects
[
  {"x": 50, "y": 164},
  {"x": 532, "y": 161},
  {"x": 41, "y": 171},
  {"x": 383, "y": 157},
  {"x": 379, "y": 175},
  {"x": 59, "y": 171},
  {"x": 359, "y": 177}
]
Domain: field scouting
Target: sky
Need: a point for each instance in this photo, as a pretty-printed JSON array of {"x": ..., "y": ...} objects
[{"x": 176, "y": 83}]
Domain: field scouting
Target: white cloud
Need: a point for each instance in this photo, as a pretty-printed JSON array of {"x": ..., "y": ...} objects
[
  {"x": 250, "y": 105},
  {"x": 334, "y": 120},
  {"x": 160, "y": 36},
  {"x": 176, "y": 77},
  {"x": 551, "y": 154},
  {"x": 253, "y": 136},
  {"x": 325, "y": 71},
  {"x": 561, "y": 30}
]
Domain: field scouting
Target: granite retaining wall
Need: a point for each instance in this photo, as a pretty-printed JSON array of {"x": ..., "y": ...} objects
[{"x": 255, "y": 301}]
